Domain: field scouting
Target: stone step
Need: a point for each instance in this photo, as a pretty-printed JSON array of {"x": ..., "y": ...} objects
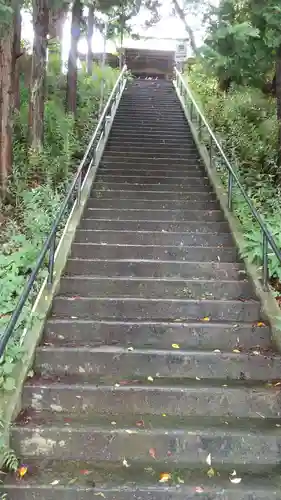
[
  {"x": 132, "y": 204},
  {"x": 87, "y": 286},
  {"x": 156, "y": 335},
  {"x": 182, "y": 447},
  {"x": 187, "y": 182},
  {"x": 209, "y": 401},
  {"x": 172, "y": 154},
  {"x": 160, "y": 128},
  {"x": 68, "y": 492},
  {"x": 153, "y": 169},
  {"x": 150, "y": 160},
  {"x": 150, "y": 238},
  {"x": 148, "y": 135},
  {"x": 150, "y": 214},
  {"x": 187, "y": 173},
  {"x": 146, "y": 120},
  {"x": 160, "y": 226},
  {"x": 152, "y": 195},
  {"x": 124, "y": 309},
  {"x": 160, "y": 269},
  {"x": 149, "y": 186},
  {"x": 161, "y": 149},
  {"x": 126, "y": 252},
  {"x": 113, "y": 363}
]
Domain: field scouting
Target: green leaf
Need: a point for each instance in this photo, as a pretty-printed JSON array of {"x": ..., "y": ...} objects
[{"x": 9, "y": 384}]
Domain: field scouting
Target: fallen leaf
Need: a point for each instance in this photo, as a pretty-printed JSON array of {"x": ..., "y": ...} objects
[
  {"x": 175, "y": 346},
  {"x": 164, "y": 477},
  {"x": 152, "y": 453},
  {"x": 209, "y": 459},
  {"x": 206, "y": 319},
  {"x": 22, "y": 470},
  {"x": 100, "y": 494},
  {"x": 235, "y": 480},
  {"x": 140, "y": 423},
  {"x": 150, "y": 379},
  {"x": 130, "y": 349},
  {"x": 198, "y": 489},
  {"x": 164, "y": 415},
  {"x": 117, "y": 385},
  {"x": 72, "y": 481},
  {"x": 217, "y": 350},
  {"x": 197, "y": 378},
  {"x": 85, "y": 472},
  {"x": 259, "y": 324},
  {"x": 125, "y": 463},
  {"x": 180, "y": 481},
  {"x": 211, "y": 472},
  {"x": 113, "y": 423},
  {"x": 129, "y": 431},
  {"x": 55, "y": 482},
  {"x": 236, "y": 351}
]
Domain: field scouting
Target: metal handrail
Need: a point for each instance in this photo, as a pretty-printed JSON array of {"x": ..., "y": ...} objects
[
  {"x": 267, "y": 238},
  {"x": 72, "y": 198}
]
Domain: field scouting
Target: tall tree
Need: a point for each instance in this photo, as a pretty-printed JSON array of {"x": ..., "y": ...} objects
[
  {"x": 38, "y": 74},
  {"x": 90, "y": 32},
  {"x": 16, "y": 54},
  {"x": 7, "y": 72},
  {"x": 71, "y": 96}
]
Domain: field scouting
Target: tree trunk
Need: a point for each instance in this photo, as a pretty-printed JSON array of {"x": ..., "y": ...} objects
[
  {"x": 278, "y": 100},
  {"x": 188, "y": 29},
  {"x": 90, "y": 39},
  {"x": 6, "y": 104},
  {"x": 71, "y": 93},
  {"x": 38, "y": 74},
  {"x": 16, "y": 54}
]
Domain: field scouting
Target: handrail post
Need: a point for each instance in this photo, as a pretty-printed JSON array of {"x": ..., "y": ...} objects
[
  {"x": 211, "y": 151},
  {"x": 265, "y": 270},
  {"x": 52, "y": 259},
  {"x": 200, "y": 128},
  {"x": 79, "y": 184},
  {"x": 229, "y": 190}
]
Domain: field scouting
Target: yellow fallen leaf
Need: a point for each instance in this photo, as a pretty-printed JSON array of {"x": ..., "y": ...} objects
[
  {"x": 236, "y": 351},
  {"x": 22, "y": 471},
  {"x": 206, "y": 319},
  {"x": 211, "y": 472},
  {"x": 175, "y": 346},
  {"x": 150, "y": 379},
  {"x": 164, "y": 477},
  {"x": 164, "y": 415}
]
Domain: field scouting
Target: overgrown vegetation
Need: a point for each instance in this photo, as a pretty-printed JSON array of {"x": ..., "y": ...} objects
[
  {"x": 236, "y": 78},
  {"x": 245, "y": 122}
]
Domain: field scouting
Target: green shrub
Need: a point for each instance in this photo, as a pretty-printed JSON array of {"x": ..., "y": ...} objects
[{"x": 245, "y": 122}]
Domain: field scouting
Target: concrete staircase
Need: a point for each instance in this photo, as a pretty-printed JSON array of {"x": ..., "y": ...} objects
[{"x": 155, "y": 359}]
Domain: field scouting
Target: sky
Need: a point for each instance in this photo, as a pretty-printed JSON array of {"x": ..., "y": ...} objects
[{"x": 169, "y": 26}]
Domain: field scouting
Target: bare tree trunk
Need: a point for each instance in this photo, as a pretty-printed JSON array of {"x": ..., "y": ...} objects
[
  {"x": 38, "y": 74},
  {"x": 71, "y": 93},
  {"x": 6, "y": 104},
  {"x": 188, "y": 29},
  {"x": 278, "y": 100},
  {"x": 90, "y": 39},
  {"x": 16, "y": 55}
]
